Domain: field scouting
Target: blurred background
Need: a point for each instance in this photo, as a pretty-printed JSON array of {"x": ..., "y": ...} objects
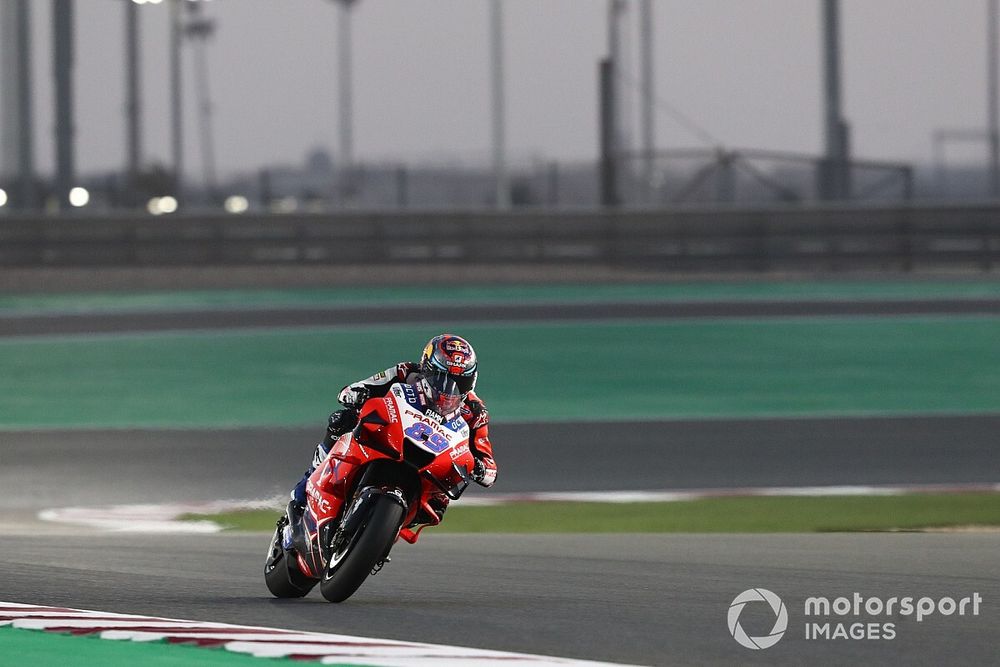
[
  {"x": 717, "y": 248},
  {"x": 664, "y": 136},
  {"x": 217, "y": 213},
  {"x": 320, "y": 105}
]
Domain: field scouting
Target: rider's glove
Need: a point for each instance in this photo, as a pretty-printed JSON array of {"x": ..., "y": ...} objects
[
  {"x": 483, "y": 474},
  {"x": 354, "y": 397},
  {"x": 340, "y": 422},
  {"x": 479, "y": 471}
]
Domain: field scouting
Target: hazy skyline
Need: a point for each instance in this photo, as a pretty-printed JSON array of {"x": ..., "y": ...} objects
[{"x": 747, "y": 71}]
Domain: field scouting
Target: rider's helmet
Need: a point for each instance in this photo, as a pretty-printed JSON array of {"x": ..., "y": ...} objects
[{"x": 448, "y": 370}]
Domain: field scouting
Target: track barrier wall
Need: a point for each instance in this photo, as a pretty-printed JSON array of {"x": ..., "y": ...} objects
[{"x": 800, "y": 239}]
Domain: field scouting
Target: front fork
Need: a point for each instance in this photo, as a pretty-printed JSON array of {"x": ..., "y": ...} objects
[
  {"x": 356, "y": 518},
  {"x": 357, "y": 515}
]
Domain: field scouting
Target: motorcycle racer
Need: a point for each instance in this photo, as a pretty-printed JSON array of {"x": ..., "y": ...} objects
[{"x": 446, "y": 378}]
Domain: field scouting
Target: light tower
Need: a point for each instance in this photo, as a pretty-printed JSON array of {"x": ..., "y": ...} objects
[
  {"x": 346, "y": 185},
  {"x": 62, "y": 49},
  {"x": 648, "y": 99},
  {"x": 835, "y": 170},
  {"x": 499, "y": 109},
  {"x": 199, "y": 30},
  {"x": 992, "y": 112},
  {"x": 176, "y": 100},
  {"x": 133, "y": 104},
  {"x": 16, "y": 115},
  {"x": 610, "y": 108}
]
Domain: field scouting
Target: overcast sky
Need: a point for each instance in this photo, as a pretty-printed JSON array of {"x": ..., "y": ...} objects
[{"x": 747, "y": 71}]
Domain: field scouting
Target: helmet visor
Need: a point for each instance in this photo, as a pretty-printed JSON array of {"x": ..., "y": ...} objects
[
  {"x": 447, "y": 391},
  {"x": 448, "y": 383}
]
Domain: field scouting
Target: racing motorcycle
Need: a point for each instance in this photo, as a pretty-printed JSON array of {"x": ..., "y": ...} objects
[{"x": 385, "y": 480}]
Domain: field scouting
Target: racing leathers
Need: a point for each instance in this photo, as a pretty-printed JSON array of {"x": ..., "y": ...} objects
[{"x": 354, "y": 395}]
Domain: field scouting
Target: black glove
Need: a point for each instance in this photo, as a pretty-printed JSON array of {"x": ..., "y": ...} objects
[
  {"x": 479, "y": 471},
  {"x": 340, "y": 422}
]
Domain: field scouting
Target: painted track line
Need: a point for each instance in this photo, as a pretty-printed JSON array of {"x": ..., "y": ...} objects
[
  {"x": 166, "y": 518},
  {"x": 685, "y": 495},
  {"x": 264, "y": 642},
  {"x": 155, "y": 518}
]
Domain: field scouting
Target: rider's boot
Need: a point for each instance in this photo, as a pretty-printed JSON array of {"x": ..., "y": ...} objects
[
  {"x": 297, "y": 504},
  {"x": 438, "y": 503}
]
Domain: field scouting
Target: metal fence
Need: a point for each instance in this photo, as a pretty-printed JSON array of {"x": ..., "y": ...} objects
[
  {"x": 749, "y": 177},
  {"x": 821, "y": 238}
]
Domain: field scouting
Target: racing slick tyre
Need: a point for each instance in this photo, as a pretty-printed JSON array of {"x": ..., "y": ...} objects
[
  {"x": 352, "y": 560},
  {"x": 281, "y": 572}
]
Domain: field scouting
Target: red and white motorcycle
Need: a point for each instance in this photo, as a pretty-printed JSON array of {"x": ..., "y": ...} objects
[{"x": 388, "y": 478}]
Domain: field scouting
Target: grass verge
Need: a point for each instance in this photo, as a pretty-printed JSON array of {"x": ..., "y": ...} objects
[{"x": 754, "y": 514}]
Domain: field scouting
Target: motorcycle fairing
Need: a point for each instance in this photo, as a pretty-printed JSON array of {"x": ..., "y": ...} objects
[{"x": 398, "y": 427}]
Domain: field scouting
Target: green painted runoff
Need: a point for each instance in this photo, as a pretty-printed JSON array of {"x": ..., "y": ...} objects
[
  {"x": 556, "y": 371},
  {"x": 569, "y": 293}
]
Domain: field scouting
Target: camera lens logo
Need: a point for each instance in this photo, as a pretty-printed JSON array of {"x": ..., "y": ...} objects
[{"x": 780, "y": 622}]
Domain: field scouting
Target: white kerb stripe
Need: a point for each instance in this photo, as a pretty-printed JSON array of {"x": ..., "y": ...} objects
[{"x": 270, "y": 642}]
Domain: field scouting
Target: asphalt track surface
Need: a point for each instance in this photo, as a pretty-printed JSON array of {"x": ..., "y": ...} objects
[
  {"x": 642, "y": 599},
  {"x": 63, "y": 468},
  {"x": 28, "y": 324},
  {"x": 645, "y": 599}
]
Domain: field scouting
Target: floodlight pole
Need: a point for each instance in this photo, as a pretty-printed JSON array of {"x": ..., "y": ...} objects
[
  {"x": 133, "y": 132},
  {"x": 606, "y": 115},
  {"x": 17, "y": 117},
  {"x": 176, "y": 106},
  {"x": 499, "y": 109},
  {"x": 648, "y": 97},
  {"x": 200, "y": 29},
  {"x": 62, "y": 48},
  {"x": 834, "y": 181},
  {"x": 993, "y": 114},
  {"x": 609, "y": 85},
  {"x": 346, "y": 98}
]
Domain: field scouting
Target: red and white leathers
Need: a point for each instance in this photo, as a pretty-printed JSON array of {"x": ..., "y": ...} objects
[{"x": 473, "y": 411}]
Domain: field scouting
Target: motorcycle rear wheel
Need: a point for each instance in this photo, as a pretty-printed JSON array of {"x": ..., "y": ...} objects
[
  {"x": 281, "y": 572},
  {"x": 348, "y": 571}
]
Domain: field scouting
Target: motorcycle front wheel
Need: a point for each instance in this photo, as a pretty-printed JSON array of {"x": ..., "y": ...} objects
[{"x": 352, "y": 561}]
